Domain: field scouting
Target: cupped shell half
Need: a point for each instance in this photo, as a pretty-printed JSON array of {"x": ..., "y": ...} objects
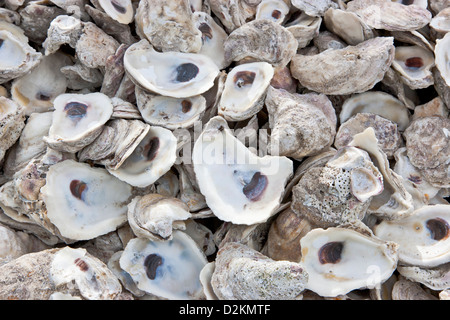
[
  {"x": 173, "y": 74},
  {"x": 152, "y": 158},
  {"x": 168, "y": 269},
  {"x": 238, "y": 185},
  {"x": 168, "y": 112},
  {"x": 120, "y": 10},
  {"x": 78, "y": 120},
  {"x": 245, "y": 90},
  {"x": 84, "y": 202},
  {"x": 12, "y": 122},
  {"x": 339, "y": 260},
  {"x": 423, "y": 237},
  {"x": 353, "y": 69},
  {"x": 414, "y": 65}
]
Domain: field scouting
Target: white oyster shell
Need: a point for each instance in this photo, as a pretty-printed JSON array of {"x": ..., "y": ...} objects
[
  {"x": 77, "y": 120},
  {"x": 423, "y": 237},
  {"x": 168, "y": 269},
  {"x": 245, "y": 90},
  {"x": 173, "y": 74},
  {"x": 414, "y": 64},
  {"x": 275, "y": 10},
  {"x": 84, "y": 202},
  {"x": 340, "y": 260},
  {"x": 442, "y": 53},
  {"x": 168, "y": 112},
  {"x": 238, "y": 185},
  {"x": 91, "y": 276},
  {"x": 152, "y": 158},
  {"x": 120, "y": 10},
  {"x": 12, "y": 122}
]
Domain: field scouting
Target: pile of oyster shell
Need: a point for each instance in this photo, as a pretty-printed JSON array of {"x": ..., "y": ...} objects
[{"x": 225, "y": 149}]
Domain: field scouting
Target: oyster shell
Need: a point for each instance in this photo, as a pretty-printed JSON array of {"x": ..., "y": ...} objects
[
  {"x": 118, "y": 140},
  {"x": 275, "y": 10},
  {"x": 213, "y": 37},
  {"x": 63, "y": 29},
  {"x": 347, "y": 25},
  {"x": 261, "y": 40},
  {"x": 245, "y": 90},
  {"x": 404, "y": 289},
  {"x": 37, "y": 90},
  {"x": 18, "y": 57},
  {"x": 340, "y": 191},
  {"x": 84, "y": 202},
  {"x": 242, "y": 273},
  {"x": 152, "y": 158},
  {"x": 414, "y": 64},
  {"x": 390, "y": 15},
  {"x": 304, "y": 28},
  {"x": 153, "y": 216},
  {"x": 120, "y": 10},
  {"x": 437, "y": 278},
  {"x": 339, "y": 260},
  {"x": 12, "y": 122},
  {"x": 238, "y": 185},
  {"x": 168, "y": 269},
  {"x": 423, "y": 237},
  {"x": 173, "y": 74},
  {"x": 353, "y": 69},
  {"x": 314, "y": 8},
  {"x": 386, "y": 131},
  {"x": 440, "y": 24},
  {"x": 233, "y": 14},
  {"x": 302, "y": 124},
  {"x": 376, "y": 102},
  {"x": 168, "y": 112},
  {"x": 78, "y": 120},
  {"x": 428, "y": 148},
  {"x": 442, "y": 55},
  {"x": 395, "y": 202},
  {"x": 168, "y": 26}
]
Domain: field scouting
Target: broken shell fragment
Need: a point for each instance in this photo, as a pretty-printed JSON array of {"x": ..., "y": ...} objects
[
  {"x": 78, "y": 120},
  {"x": 314, "y": 8},
  {"x": 339, "y": 260},
  {"x": 261, "y": 40},
  {"x": 92, "y": 277},
  {"x": 423, "y": 237},
  {"x": 437, "y": 278},
  {"x": 242, "y": 273},
  {"x": 304, "y": 28},
  {"x": 386, "y": 131},
  {"x": 37, "y": 90},
  {"x": 84, "y": 202},
  {"x": 376, "y": 102},
  {"x": 154, "y": 216},
  {"x": 234, "y": 14},
  {"x": 353, "y": 69},
  {"x": 168, "y": 112},
  {"x": 168, "y": 269},
  {"x": 238, "y": 185},
  {"x": 173, "y": 74},
  {"x": 390, "y": 15},
  {"x": 152, "y": 158},
  {"x": 120, "y": 10},
  {"x": 302, "y": 124},
  {"x": 245, "y": 90},
  {"x": 442, "y": 53},
  {"x": 414, "y": 64}
]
